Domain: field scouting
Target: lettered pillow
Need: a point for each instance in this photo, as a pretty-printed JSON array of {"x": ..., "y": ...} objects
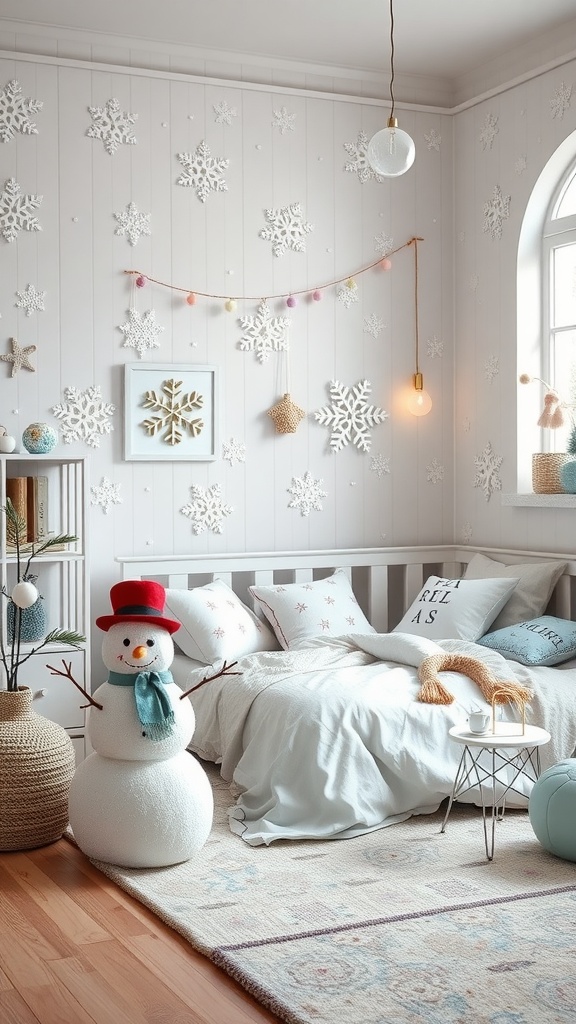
[
  {"x": 299, "y": 611},
  {"x": 546, "y": 640},
  {"x": 215, "y": 624},
  {"x": 455, "y": 609}
]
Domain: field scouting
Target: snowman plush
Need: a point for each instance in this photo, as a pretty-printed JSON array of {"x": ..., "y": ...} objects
[{"x": 140, "y": 800}]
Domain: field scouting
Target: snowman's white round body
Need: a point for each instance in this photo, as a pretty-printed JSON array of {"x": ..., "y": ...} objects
[{"x": 139, "y": 801}]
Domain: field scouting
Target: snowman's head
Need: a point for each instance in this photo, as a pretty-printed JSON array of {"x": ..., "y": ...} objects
[{"x": 132, "y": 647}]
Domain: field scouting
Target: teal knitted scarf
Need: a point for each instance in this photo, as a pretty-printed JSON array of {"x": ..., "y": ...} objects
[{"x": 153, "y": 705}]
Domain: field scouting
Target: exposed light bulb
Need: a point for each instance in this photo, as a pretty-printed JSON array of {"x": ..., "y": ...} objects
[
  {"x": 419, "y": 401},
  {"x": 391, "y": 151}
]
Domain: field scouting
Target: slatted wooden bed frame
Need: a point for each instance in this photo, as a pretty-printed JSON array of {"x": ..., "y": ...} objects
[{"x": 385, "y": 580}]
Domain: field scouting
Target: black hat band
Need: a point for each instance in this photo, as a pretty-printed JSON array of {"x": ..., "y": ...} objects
[{"x": 138, "y": 609}]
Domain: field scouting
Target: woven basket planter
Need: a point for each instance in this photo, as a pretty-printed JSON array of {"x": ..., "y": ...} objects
[
  {"x": 546, "y": 468},
  {"x": 36, "y": 769}
]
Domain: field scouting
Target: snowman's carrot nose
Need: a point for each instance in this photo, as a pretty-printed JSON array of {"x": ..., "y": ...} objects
[{"x": 139, "y": 652}]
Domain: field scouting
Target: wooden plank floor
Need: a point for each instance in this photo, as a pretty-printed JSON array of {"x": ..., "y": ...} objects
[{"x": 76, "y": 949}]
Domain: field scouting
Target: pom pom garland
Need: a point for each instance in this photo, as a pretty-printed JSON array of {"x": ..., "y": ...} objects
[
  {"x": 386, "y": 264},
  {"x": 291, "y": 301},
  {"x": 230, "y": 305},
  {"x": 191, "y": 299},
  {"x": 317, "y": 295},
  {"x": 140, "y": 281}
]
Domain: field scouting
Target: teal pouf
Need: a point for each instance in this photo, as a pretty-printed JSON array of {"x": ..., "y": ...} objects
[{"x": 552, "y": 809}]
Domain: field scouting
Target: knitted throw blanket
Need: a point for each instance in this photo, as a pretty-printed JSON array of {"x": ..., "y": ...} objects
[{"x": 432, "y": 691}]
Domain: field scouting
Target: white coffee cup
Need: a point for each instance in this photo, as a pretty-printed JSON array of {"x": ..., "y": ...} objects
[{"x": 478, "y": 721}]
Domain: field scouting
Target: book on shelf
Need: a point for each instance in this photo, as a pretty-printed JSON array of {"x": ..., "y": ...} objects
[
  {"x": 29, "y": 495},
  {"x": 17, "y": 491}
]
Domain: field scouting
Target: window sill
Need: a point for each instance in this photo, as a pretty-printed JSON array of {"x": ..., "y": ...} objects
[{"x": 532, "y": 500}]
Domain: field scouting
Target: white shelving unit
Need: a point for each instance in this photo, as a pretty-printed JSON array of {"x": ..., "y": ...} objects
[{"x": 63, "y": 582}]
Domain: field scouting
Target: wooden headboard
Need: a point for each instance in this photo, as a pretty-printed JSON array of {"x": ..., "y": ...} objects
[{"x": 385, "y": 580}]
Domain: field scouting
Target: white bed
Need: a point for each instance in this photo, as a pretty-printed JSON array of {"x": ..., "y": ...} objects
[{"x": 329, "y": 740}]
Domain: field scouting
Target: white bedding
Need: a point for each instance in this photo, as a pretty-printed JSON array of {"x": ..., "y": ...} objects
[{"x": 329, "y": 742}]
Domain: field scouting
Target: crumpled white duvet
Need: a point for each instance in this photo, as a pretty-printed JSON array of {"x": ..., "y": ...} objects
[{"x": 329, "y": 742}]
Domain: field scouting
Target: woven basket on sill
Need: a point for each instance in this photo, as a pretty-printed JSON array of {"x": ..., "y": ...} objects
[
  {"x": 36, "y": 769},
  {"x": 546, "y": 468}
]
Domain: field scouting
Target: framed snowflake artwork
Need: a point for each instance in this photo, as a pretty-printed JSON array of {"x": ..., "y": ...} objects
[{"x": 170, "y": 412}]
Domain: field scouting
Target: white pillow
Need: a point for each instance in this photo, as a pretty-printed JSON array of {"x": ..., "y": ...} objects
[
  {"x": 298, "y": 611},
  {"x": 455, "y": 609},
  {"x": 215, "y": 624},
  {"x": 536, "y": 581}
]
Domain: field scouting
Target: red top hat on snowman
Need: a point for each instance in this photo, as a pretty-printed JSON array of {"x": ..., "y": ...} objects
[{"x": 138, "y": 601}]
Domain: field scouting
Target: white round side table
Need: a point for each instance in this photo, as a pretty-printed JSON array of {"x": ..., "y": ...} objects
[{"x": 494, "y": 756}]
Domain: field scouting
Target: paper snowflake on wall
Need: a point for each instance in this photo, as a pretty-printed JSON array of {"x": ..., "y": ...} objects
[
  {"x": 434, "y": 472},
  {"x": 489, "y": 131},
  {"x": 132, "y": 223},
  {"x": 233, "y": 451},
  {"x": 359, "y": 163},
  {"x": 434, "y": 347},
  {"x": 202, "y": 172},
  {"x": 560, "y": 101},
  {"x": 466, "y": 533},
  {"x": 433, "y": 140},
  {"x": 373, "y": 325},
  {"x": 491, "y": 368},
  {"x": 112, "y": 126},
  {"x": 264, "y": 333},
  {"x": 140, "y": 331},
  {"x": 16, "y": 211},
  {"x": 379, "y": 464},
  {"x": 307, "y": 494},
  {"x": 176, "y": 412},
  {"x": 30, "y": 300},
  {"x": 487, "y": 476},
  {"x": 283, "y": 121},
  {"x": 350, "y": 416},
  {"x": 106, "y": 495},
  {"x": 287, "y": 229},
  {"x": 15, "y": 112},
  {"x": 347, "y": 293},
  {"x": 84, "y": 416},
  {"x": 383, "y": 244},
  {"x": 224, "y": 113},
  {"x": 207, "y": 510},
  {"x": 521, "y": 164},
  {"x": 496, "y": 210}
]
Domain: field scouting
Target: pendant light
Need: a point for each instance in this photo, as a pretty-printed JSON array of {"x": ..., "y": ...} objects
[
  {"x": 391, "y": 151},
  {"x": 419, "y": 401}
]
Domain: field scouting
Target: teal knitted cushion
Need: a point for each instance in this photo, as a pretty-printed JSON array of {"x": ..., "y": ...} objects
[{"x": 552, "y": 809}]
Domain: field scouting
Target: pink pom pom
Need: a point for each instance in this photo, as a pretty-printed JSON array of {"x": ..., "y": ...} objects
[
  {"x": 291, "y": 301},
  {"x": 191, "y": 299},
  {"x": 386, "y": 264},
  {"x": 140, "y": 281},
  {"x": 316, "y": 295}
]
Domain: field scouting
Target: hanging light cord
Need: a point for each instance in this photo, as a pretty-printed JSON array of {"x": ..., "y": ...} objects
[
  {"x": 414, "y": 241},
  {"x": 391, "y": 59}
]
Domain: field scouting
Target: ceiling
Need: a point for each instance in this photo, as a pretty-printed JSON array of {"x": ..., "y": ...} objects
[{"x": 440, "y": 38}]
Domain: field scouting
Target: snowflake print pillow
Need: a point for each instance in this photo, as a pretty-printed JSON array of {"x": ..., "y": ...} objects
[
  {"x": 455, "y": 609},
  {"x": 299, "y": 611},
  {"x": 216, "y": 625}
]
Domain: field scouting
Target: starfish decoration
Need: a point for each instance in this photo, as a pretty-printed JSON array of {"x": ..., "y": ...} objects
[
  {"x": 132, "y": 223},
  {"x": 19, "y": 357},
  {"x": 202, "y": 172},
  {"x": 286, "y": 415},
  {"x": 112, "y": 125},
  {"x": 30, "y": 300}
]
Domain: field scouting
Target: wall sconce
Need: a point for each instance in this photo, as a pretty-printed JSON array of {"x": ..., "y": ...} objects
[
  {"x": 419, "y": 402},
  {"x": 391, "y": 151}
]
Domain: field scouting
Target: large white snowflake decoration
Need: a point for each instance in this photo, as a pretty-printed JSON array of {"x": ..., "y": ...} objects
[
  {"x": 264, "y": 333},
  {"x": 347, "y": 293},
  {"x": 233, "y": 451},
  {"x": 487, "y": 476},
  {"x": 15, "y": 112},
  {"x": 373, "y": 325},
  {"x": 307, "y": 494},
  {"x": 112, "y": 126},
  {"x": 84, "y": 415},
  {"x": 489, "y": 131},
  {"x": 207, "y": 510},
  {"x": 491, "y": 368},
  {"x": 359, "y": 163},
  {"x": 132, "y": 223},
  {"x": 560, "y": 101},
  {"x": 350, "y": 416},
  {"x": 172, "y": 408},
  {"x": 496, "y": 210},
  {"x": 224, "y": 113},
  {"x": 283, "y": 121},
  {"x": 433, "y": 139},
  {"x": 434, "y": 347},
  {"x": 379, "y": 464},
  {"x": 106, "y": 495},
  {"x": 30, "y": 300},
  {"x": 383, "y": 244},
  {"x": 202, "y": 172},
  {"x": 434, "y": 472},
  {"x": 140, "y": 331},
  {"x": 16, "y": 211},
  {"x": 287, "y": 229}
]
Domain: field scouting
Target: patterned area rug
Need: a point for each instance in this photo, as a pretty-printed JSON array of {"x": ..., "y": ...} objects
[{"x": 402, "y": 926}]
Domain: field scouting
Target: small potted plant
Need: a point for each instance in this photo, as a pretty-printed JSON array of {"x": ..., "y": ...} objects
[{"x": 547, "y": 466}]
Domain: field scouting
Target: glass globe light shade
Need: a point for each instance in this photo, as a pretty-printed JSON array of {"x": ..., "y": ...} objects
[
  {"x": 419, "y": 402},
  {"x": 391, "y": 151}
]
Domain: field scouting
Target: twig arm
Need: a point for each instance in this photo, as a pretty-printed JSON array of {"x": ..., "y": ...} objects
[
  {"x": 224, "y": 671},
  {"x": 67, "y": 674}
]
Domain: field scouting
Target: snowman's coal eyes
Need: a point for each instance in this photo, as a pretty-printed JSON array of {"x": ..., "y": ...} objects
[
  {"x": 150, "y": 643},
  {"x": 126, "y": 642}
]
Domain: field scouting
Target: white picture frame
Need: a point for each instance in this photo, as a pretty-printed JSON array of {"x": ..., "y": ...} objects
[{"x": 170, "y": 427}]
